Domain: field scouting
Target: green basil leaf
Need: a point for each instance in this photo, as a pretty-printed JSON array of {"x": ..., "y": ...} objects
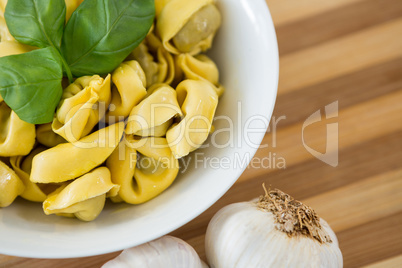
[
  {"x": 30, "y": 84},
  {"x": 101, "y": 34},
  {"x": 36, "y": 22}
]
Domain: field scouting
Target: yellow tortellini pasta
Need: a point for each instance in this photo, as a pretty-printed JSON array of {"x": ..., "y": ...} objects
[
  {"x": 22, "y": 166},
  {"x": 4, "y": 32},
  {"x": 157, "y": 63},
  {"x": 128, "y": 90},
  {"x": 67, "y": 161},
  {"x": 71, "y": 6},
  {"x": 159, "y": 4},
  {"x": 83, "y": 105},
  {"x": 117, "y": 136},
  {"x": 46, "y": 136},
  {"x": 145, "y": 177},
  {"x": 188, "y": 26},
  {"x": 155, "y": 114},
  {"x": 199, "y": 67},
  {"x": 10, "y": 185},
  {"x": 17, "y": 137},
  {"x": 12, "y": 47},
  {"x": 83, "y": 198},
  {"x": 198, "y": 99}
]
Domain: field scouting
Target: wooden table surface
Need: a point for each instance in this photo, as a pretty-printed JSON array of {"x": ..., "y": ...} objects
[{"x": 349, "y": 51}]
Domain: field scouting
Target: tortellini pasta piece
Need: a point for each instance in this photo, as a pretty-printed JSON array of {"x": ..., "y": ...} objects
[
  {"x": 143, "y": 178},
  {"x": 198, "y": 99},
  {"x": 199, "y": 67},
  {"x": 12, "y": 47},
  {"x": 128, "y": 90},
  {"x": 188, "y": 26},
  {"x": 159, "y": 5},
  {"x": 17, "y": 137},
  {"x": 71, "y": 6},
  {"x": 155, "y": 114},
  {"x": 83, "y": 198},
  {"x": 158, "y": 69},
  {"x": 46, "y": 136},
  {"x": 22, "y": 167},
  {"x": 10, "y": 185},
  {"x": 70, "y": 160},
  {"x": 4, "y": 32},
  {"x": 83, "y": 105}
]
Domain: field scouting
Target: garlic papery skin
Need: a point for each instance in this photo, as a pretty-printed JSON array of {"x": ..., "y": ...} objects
[
  {"x": 247, "y": 235},
  {"x": 165, "y": 252}
]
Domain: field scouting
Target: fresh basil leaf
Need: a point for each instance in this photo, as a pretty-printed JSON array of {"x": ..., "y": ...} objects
[
  {"x": 101, "y": 34},
  {"x": 36, "y": 22},
  {"x": 30, "y": 84}
]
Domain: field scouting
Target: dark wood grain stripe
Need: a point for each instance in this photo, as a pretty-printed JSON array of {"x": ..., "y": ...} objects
[
  {"x": 350, "y": 89},
  {"x": 379, "y": 240},
  {"x": 335, "y": 23}
]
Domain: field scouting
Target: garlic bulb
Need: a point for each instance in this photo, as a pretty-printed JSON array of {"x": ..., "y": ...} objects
[
  {"x": 275, "y": 231},
  {"x": 165, "y": 252}
]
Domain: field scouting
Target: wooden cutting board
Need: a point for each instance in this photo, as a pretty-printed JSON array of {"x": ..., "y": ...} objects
[{"x": 347, "y": 53}]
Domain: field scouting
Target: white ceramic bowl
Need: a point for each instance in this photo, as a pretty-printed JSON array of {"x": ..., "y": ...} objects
[{"x": 247, "y": 56}]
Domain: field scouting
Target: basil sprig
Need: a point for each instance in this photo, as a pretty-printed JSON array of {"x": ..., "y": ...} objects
[{"x": 98, "y": 37}]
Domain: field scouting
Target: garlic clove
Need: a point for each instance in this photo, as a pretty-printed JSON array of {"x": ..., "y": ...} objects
[
  {"x": 275, "y": 231},
  {"x": 165, "y": 252}
]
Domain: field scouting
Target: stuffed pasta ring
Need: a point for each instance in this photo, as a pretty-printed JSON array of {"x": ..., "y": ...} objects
[
  {"x": 22, "y": 166},
  {"x": 129, "y": 89},
  {"x": 156, "y": 61},
  {"x": 199, "y": 67},
  {"x": 143, "y": 178},
  {"x": 155, "y": 114},
  {"x": 198, "y": 99},
  {"x": 17, "y": 137},
  {"x": 83, "y": 198},
  {"x": 83, "y": 104},
  {"x": 11, "y": 185},
  {"x": 188, "y": 26},
  {"x": 68, "y": 161}
]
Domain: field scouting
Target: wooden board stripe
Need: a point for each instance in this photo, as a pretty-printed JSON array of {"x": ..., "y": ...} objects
[
  {"x": 394, "y": 262},
  {"x": 294, "y": 10},
  {"x": 371, "y": 123},
  {"x": 349, "y": 89},
  {"x": 364, "y": 201},
  {"x": 372, "y": 241},
  {"x": 340, "y": 56},
  {"x": 312, "y": 178},
  {"x": 335, "y": 23}
]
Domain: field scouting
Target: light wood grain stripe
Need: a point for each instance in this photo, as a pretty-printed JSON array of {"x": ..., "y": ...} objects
[
  {"x": 370, "y": 123},
  {"x": 286, "y": 11},
  {"x": 349, "y": 90},
  {"x": 357, "y": 203},
  {"x": 335, "y": 23},
  {"x": 340, "y": 56},
  {"x": 395, "y": 262}
]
